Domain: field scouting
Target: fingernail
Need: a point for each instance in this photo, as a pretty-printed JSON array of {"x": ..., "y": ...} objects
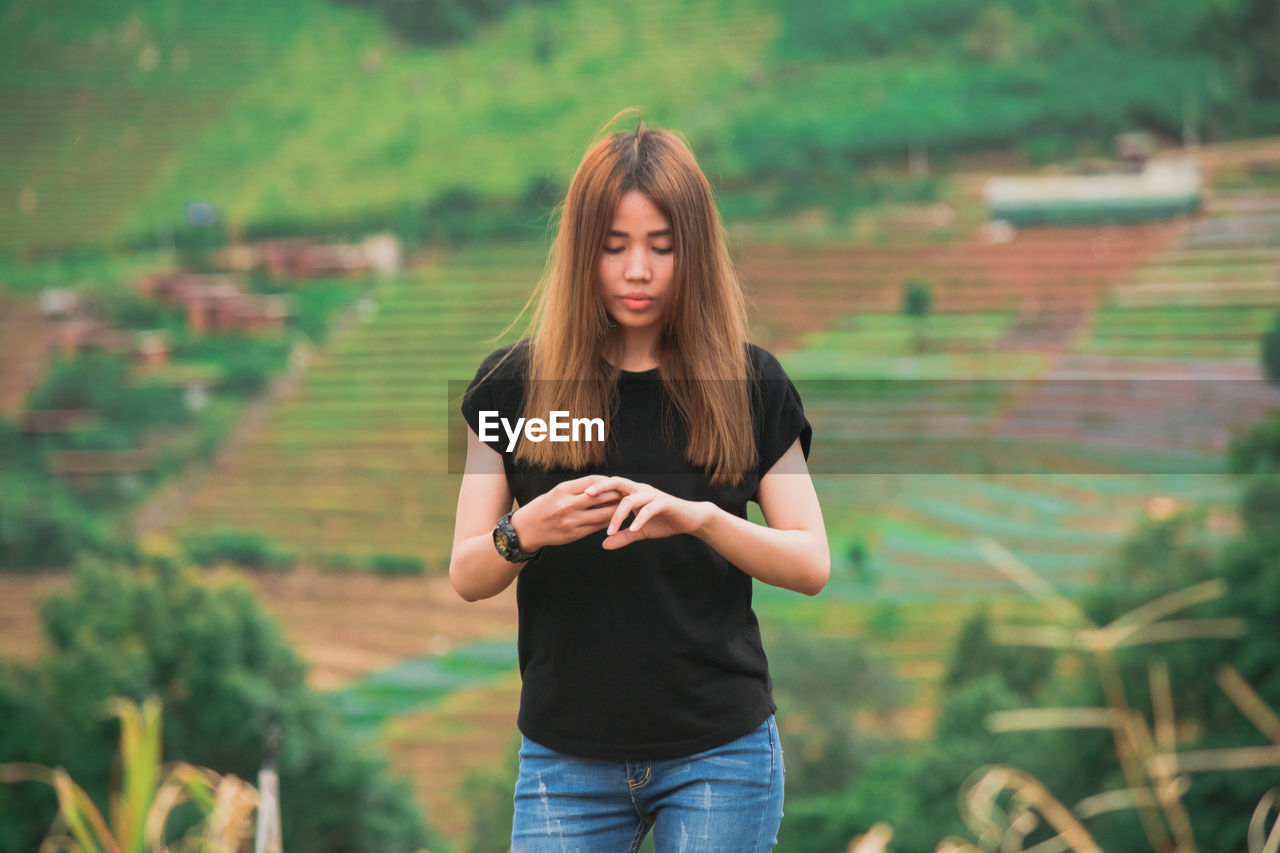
[{"x": 612, "y": 530}]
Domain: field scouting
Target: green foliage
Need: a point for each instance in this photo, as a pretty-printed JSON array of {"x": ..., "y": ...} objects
[
  {"x": 43, "y": 526},
  {"x": 836, "y": 29},
  {"x": 976, "y": 655},
  {"x": 437, "y": 21},
  {"x": 1246, "y": 33},
  {"x": 147, "y": 796},
  {"x": 338, "y": 562},
  {"x": 225, "y": 675},
  {"x": 488, "y": 791},
  {"x": 194, "y": 245},
  {"x": 1260, "y": 506},
  {"x": 857, "y": 560},
  {"x": 309, "y": 119},
  {"x": 396, "y": 565},
  {"x": 101, "y": 382},
  {"x": 315, "y": 303},
  {"x": 246, "y": 361},
  {"x": 1174, "y": 553},
  {"x": 46, "y": 520},
  {"x": 121, "y": 308},
  {"x": 917, "y": 298},
  {"x": 93, "y": 270},
  {"x": 243, "y": 548},
  {"x": 824, "y": 682},
  {"x": 1270, "y": 351},
  {"x": 913, "y": 787}
]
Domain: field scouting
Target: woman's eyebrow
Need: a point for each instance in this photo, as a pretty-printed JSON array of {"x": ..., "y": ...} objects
[{"x": 663, "y": 232}]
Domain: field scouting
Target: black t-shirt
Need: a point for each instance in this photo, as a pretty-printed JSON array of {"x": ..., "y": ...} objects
[{"x": 651, "y": 651}]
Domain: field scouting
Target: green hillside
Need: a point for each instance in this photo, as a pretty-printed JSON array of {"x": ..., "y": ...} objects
[
  {"x": 313, "y": 116},
  {"x": 96, "y": 99}
]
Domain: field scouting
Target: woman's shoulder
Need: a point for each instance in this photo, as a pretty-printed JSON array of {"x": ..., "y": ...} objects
[
  {"x": 764, "y": 365},
  {"x": 505, "y": 363}
]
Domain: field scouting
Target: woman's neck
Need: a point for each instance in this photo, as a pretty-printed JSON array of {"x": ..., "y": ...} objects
[{"x": 635, "y": 352}]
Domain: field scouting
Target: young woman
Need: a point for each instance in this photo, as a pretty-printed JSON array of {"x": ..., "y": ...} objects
[{"x": 646, "y": 700}]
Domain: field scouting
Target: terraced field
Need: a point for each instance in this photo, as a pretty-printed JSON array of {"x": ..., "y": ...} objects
[
  {"x": 1056, "y": 452},
  {"x": 1031, "y": 407},
  {"x": 1208, "y": 295},
  {"x": 355, "y": 462},
  {"x": 1047, "y": 280}
]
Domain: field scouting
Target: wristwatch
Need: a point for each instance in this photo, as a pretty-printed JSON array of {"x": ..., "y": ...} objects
[{"x": 508, "y": 543}]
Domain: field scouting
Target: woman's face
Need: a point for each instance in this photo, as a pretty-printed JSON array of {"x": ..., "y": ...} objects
[{"x": 637, "y": 266}]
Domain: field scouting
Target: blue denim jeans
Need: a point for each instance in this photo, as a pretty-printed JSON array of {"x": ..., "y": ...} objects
[{"x": 724, "y": 799}]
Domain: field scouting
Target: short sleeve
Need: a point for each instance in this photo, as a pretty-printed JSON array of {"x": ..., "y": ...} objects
[
  {"x": 779, "y": 413},
  {"x": 495, "y": 388}
]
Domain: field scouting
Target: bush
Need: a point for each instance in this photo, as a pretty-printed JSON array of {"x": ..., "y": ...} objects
[
  {"x": 822, "y": 683},
  {"x": 395, "y": 565},
  {"x": 436, "y": 21},
  {"x": 225, "y": 675},
  {"x": 43, "y": 527},
  {"x": 338, "y": 563},
  {"x": 488, "y": 791},
  {"x": 247, "y": 362},
  {"x": 101, "y": 382},
  {"x": 1270, "y": 351},
  {"x": 917, "y": 298},
  {"x": 244, "y": 548}
]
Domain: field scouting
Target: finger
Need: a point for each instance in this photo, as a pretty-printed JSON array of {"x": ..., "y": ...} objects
[
  {"x": 621, "y": 484},
  {"x": 609, "y": 497},
  {"x": 628, "y": 505},
  {"x": 645, "y": 513},
  {"x": 595, "y": 519},
  {"x": 621, "y": 539},
  {"x": 578, "y": 485},
  {"x": 620, "y": 513}
]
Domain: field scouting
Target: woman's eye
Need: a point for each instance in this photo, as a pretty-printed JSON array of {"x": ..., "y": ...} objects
[{"x": 620, "y": 249}]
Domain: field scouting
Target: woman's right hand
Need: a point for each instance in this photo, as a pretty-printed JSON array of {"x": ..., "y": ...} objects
[
  {"x": 561, "y": 515},
  {"x": 564, "y": 514}
]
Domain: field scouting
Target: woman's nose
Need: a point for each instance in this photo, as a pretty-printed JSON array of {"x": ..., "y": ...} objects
[{"x": 637, "y": 266}]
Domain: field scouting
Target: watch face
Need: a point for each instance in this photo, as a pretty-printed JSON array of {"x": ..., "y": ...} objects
[
  {"x": 503, "y": 541},
  {"x": 507, "y": 542}
]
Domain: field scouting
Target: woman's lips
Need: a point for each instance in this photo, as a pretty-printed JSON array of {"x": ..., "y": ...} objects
[{"x": 637, "y": 303}]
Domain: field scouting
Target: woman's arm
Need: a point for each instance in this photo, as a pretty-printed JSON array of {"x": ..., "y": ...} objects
[
  {"x": 476, "y": 568},
  {"x": 561, "y": 515},
  {"x": 791, "y": 552}
]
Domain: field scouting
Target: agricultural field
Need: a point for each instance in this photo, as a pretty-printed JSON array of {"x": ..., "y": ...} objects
[
  {"x": 917, "y": 422},
  {"x": 1050, "y": 389},
  {"x": 994, "y": 416},
  {"x": 355, "y": 462}
]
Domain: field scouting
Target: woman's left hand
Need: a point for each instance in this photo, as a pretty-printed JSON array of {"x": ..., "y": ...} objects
[{"x": 658, "y": 514}]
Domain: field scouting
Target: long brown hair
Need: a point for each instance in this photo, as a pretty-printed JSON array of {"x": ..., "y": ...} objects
[{"x": 703, "y": 359}]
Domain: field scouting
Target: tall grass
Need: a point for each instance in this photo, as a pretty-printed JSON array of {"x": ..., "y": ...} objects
[
  {"x": 1007, "y": 809},
  {"x": 146, "y": 797}
]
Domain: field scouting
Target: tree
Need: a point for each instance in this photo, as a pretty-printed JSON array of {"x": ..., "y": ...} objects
[
  {"x": 1270, "y": 354},
  {"x": 225, "y": 675},
  {"x": 917, "y": 299}
]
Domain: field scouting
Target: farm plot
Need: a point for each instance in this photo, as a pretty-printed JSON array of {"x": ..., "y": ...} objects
[
  {"x": 1208, "y": 296},
  {"x": 356, "y": 461}
]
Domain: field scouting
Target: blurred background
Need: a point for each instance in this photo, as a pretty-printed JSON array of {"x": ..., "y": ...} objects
[{"x": 1021, "y": 257}]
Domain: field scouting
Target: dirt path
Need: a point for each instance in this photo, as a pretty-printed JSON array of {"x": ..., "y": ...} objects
[
  {"x": 347, "y": 626},
  {"x": 25, "y": 352}
]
